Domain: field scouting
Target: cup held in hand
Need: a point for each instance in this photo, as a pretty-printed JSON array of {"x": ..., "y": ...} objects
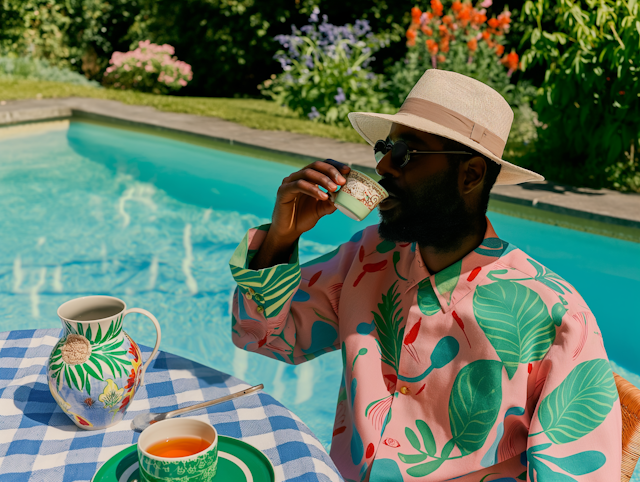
[{"x": 359, "y": 196}]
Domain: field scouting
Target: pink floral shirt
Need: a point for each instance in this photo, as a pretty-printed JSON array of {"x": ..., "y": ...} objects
[{"x": 493, "y": 369}]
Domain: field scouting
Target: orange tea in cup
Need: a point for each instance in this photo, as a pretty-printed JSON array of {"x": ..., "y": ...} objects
[{"x": 178, "y": 447}]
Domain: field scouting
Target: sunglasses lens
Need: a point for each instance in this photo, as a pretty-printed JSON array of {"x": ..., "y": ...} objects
[
  {"x": 399, "y": 154},
  {"x": 379, "y": 150}
]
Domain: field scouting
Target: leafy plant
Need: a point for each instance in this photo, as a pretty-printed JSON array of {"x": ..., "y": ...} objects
[
  {"x": 148, "y": 68},
  {"x": 326, "y": 71},
  {"x": 588, "y": 106},
  {"x": 76, "y": 34}
]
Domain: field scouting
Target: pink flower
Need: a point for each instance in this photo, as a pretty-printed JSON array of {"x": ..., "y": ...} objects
[
  {"x": 182, "y": 82},
  {"x": 486, "y": 3},
  {"x": 391, "y": 442},
  {"x": 149, "y": 67}
]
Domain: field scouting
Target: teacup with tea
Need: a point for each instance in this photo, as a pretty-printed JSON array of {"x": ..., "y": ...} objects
[
  {"x": 171, "y": 450},
  {"x": 359, "y": 196}
]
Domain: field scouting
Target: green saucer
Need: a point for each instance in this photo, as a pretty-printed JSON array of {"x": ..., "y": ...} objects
[{"x": 238, "y": 462}]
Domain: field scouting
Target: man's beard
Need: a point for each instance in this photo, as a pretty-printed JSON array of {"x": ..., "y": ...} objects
[{"x": 433, "y": 215}]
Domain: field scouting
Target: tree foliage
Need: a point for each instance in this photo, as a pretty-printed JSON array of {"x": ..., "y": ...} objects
[{"x": 589, "y": 104}]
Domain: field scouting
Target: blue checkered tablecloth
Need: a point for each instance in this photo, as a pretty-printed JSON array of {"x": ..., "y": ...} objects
[{"x": 38, "y": 442}]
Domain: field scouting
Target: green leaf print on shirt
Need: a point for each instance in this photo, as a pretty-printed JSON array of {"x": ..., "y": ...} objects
[
  {"x": 580, "y": 403},
  {"x": 447, "y": 280},
  {"x": 549, "y": 278},
  {"x": 474, "y": 404},
  {"x": 577, "y": 464},
  {"x": 427, "y": 299},
  {"x": 388, "y": 323},
  {"x": 515, "y": 320}
]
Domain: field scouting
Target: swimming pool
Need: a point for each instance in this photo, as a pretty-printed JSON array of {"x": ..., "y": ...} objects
[{"x": 91, "y": 209}]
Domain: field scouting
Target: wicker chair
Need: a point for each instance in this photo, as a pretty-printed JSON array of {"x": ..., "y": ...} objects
[{"x": 630, "y": 403}]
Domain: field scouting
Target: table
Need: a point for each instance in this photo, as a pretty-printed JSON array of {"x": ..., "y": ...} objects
[{"x": 38, "y": 442}]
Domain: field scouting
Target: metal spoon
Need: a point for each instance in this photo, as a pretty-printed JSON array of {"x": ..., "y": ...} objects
[{"x": 144, "y": 420}]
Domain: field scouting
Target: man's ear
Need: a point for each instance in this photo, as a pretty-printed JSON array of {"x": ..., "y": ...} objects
[{"x": 472, "y": 174}]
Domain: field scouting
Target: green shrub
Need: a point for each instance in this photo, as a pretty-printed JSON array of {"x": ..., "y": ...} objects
[
  {"x": 77, "y": 34},
  {"x": 35, "y": 69},
  {"x": 590, "y": 105},
  {"x": 326, "y": 71}
]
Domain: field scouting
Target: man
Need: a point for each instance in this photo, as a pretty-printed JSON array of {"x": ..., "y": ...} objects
[{"x": 463, "y": 357}]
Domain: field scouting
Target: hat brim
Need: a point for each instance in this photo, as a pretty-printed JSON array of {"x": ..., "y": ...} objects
[{"x": 372, "y": 127}]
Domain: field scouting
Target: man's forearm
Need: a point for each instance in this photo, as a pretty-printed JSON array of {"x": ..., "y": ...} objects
[{"x": 273, "y": 251}]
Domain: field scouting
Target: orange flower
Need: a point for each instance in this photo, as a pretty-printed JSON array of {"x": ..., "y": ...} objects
[
  {"x": 444, "y": 46},
  {"x": 472, "y": 44},
  {"x": 494, "y": 22},
  {"x": 499, "y": 50},
  {"x": 432, "y": 46},
  {"x": 416, "y": 13},
  {"x": 436, "y": 7},
  {"x": 456, "y": 6},
  {"x": 621, "y": 92},
  {"x": 447, "y": 20},
  {"x": 464, "y": 15},
  {"x": 441, "y": 58},
  {"x": 486, "y": 35},
  {"x": 411, "y": 34},
  {"x": 442, "y": 30},
  {"x": 479, "y": 18},
  {"x": 411, "y": 42},
  {"x": 428, "y": 31},
  {"x": 511, "y": 61},
  {"x": 504, "y": 18}
]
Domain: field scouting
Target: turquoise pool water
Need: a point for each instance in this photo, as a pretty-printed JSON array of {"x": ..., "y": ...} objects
[{"x": 88, "y": 209}]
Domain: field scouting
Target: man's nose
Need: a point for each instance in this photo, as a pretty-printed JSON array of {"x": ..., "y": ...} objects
[{"x": 386, "y": 168}]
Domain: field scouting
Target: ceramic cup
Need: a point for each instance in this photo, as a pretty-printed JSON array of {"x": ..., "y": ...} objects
[
  {"x": 359, "y": 196},
  {"x": 200, "y": 467}
]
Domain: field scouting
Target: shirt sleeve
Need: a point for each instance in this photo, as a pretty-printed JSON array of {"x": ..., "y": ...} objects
[
  {"x": 288, "y": 312},
  {"x": 576, "y": 431}
]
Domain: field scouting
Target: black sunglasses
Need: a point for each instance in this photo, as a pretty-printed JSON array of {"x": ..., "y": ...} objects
[{"x": 400, "y": 153}]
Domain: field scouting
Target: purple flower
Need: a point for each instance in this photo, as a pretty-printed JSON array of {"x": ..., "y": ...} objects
[
  {"x": 313, "y": 114},
  {"x": 309, "y": 62},
  {"x": 314, "y": 15},
  {"x": 340, "y": 98}
]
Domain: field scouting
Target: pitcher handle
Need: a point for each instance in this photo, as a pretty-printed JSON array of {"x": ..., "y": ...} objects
[{"x": 155, "y": 348}]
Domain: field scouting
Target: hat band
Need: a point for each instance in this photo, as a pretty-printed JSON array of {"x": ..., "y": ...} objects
[{"x": 451, "y": 119}]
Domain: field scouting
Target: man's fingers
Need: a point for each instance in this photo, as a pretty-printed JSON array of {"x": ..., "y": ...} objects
[
  {"x": 316, "y": 177},
  {"x": 302, "y": 186},
  {"x": 339, "y": 166}
]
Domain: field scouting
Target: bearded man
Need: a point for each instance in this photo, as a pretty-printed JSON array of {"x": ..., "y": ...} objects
[{"x": 463, "y": 357}]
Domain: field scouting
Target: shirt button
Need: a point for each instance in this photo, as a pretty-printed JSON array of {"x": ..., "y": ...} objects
[
  {"x": 252, "y": 291},
  {"x": 260, "y": 309},
  {"x": 405, "y": 391}
]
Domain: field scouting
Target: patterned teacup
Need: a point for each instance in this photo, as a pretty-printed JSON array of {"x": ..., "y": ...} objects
[
  {"x": 359, "y": 196},
  {"x": 198, "y": 467}
]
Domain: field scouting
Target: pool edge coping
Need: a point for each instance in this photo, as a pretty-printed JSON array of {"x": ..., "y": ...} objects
[{"x": 545, "y": 197}]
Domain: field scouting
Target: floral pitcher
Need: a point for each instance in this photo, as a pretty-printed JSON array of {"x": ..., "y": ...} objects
[{"x": 95, "y": 368}]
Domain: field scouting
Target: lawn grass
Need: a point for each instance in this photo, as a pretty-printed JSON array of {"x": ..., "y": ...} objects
[{"x": 255, "y": 113}]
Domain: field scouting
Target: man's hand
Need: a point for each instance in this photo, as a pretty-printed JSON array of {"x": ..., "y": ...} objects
[{"x": 300, "y": 204}]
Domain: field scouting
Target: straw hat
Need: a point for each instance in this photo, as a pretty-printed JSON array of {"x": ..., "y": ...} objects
[{"x": 457, "y": 107}]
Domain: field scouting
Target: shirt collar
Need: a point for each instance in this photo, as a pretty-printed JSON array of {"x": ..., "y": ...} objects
[{"x": 457, "y": 280}]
